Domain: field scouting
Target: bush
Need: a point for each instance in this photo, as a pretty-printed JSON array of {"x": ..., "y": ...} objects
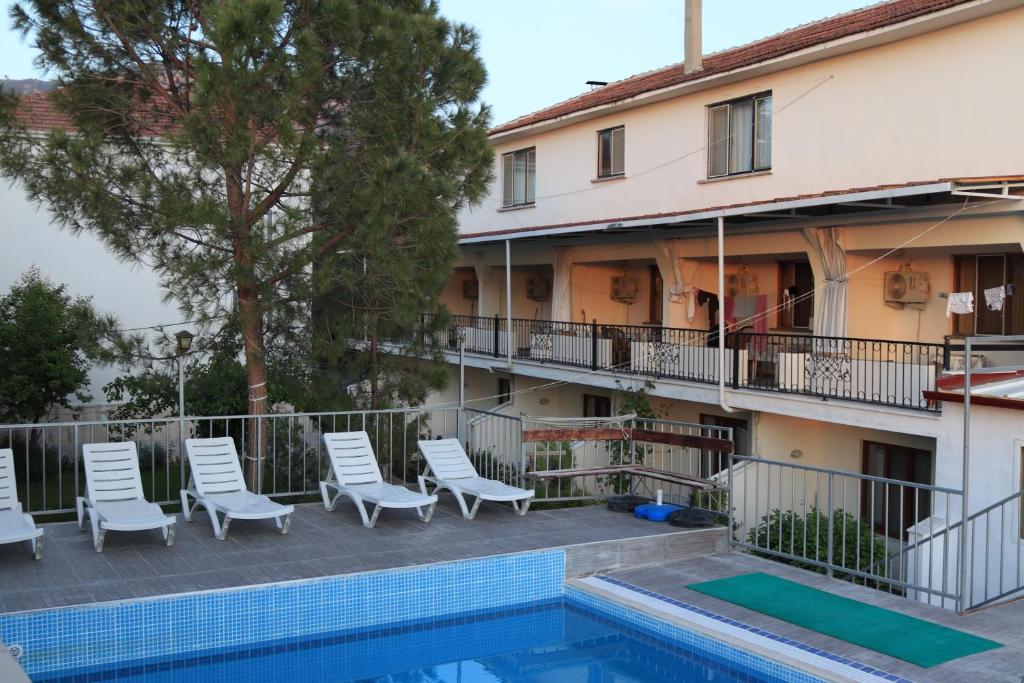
[{"x": 855, "y": 545}]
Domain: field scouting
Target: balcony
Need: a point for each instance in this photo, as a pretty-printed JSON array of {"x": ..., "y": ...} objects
[{"x": 874, "y": 371}]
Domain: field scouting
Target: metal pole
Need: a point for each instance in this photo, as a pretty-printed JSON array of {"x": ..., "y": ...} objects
[
  {"x": 965, "y": 478},
  {"x": 462, "y": 373},
  {"x": 181, "y": 406},
  {"x": 508, "y": 301},
  {"x": 721, "y": 316}
]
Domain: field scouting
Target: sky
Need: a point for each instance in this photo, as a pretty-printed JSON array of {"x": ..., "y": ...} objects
[{"x": 539, "y": 52}]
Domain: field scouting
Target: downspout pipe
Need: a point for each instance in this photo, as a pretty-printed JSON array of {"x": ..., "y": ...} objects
[{"x": 721, "y": 317}]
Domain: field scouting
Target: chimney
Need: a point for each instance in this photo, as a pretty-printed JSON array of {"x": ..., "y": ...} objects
[{"x": 693, "y": 59}]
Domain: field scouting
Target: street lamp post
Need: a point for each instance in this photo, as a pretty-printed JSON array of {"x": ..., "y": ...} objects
[{"x": 184, "y": 343}]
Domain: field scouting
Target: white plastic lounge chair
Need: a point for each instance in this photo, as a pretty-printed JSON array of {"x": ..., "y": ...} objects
[
  {"x": 448, "y": 467},
  {"x": 114, "y": 500},
  {"x": 15, "y": 525},
  {"x": 355, "y": 473},
  {"x": 217, "y": 484}
]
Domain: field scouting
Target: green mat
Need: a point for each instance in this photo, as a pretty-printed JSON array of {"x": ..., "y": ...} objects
[{"x": 897, "y": 635}]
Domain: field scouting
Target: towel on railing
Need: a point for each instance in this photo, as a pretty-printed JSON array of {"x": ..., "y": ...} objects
[{"x": 960, "y": 303}]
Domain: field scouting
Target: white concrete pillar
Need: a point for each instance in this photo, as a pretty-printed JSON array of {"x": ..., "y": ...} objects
[
  {"x": 561, "y": 289},
  {"x": 676, "y": 290}
]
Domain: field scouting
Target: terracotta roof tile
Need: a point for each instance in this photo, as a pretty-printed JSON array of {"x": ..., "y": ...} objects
[
  {"x": 39, "y": 112},
  {"x": 778, "y": 45}
]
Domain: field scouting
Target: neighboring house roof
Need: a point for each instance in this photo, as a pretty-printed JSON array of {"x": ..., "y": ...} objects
[
  {"x": 39, "y": 112},
  {"x": 795, "y": 39}
]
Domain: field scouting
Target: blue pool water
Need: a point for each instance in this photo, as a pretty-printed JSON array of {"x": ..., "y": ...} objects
[{"x": 560, "y": 641}]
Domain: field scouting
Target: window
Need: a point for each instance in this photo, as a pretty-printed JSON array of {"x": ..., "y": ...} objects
[
  {"x": 596, "y": 406},
  {"x": 713, "y": 462},
  {"x": 976, "y": 273},
  {"x": 519, "y": 171},
  {"x": 894, "y": 509},
  {"x": 504, "y": 390},
  {"x": 796, "y": 295},
  {"x": 611, "y": 152},
  {"x": 740, "y": 136}
]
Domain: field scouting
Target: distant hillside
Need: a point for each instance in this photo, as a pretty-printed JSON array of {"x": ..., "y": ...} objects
[{"x": 24, "y": 86}]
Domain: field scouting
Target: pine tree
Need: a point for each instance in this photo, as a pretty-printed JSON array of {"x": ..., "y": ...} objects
[{"x": 237, "y": 146}]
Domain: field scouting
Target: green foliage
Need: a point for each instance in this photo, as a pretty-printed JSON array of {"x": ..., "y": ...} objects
[
  {"x": 630, "y": 401},
  {"x": 239, "y": 147},
  {"x": 557, "y": 455},
  {"x": 49, "y": 341},
  {"x": 855, "y": 544}
]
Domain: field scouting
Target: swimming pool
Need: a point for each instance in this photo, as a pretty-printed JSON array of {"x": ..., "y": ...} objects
[
  {"x": 555, "y": 640},
  {"x": 497, "y": 618}
]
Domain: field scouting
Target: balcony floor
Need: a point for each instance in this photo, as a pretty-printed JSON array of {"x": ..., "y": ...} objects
[{"x": 320, "y": 543}]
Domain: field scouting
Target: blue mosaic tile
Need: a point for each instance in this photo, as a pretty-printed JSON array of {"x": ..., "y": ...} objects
[{"x": 80, "y": 637}]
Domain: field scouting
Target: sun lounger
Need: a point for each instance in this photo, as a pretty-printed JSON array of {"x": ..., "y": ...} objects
[
  {"x": 216, "y": 483},
  {"x": 114, "y": 500},
  {"x": 15, "y": 525},
  {"x": 448, "y": 467},
  {"x": 355, "y": 474}
]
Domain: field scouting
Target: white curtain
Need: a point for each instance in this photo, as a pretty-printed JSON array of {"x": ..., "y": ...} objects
[
  {"x": 561, "y": 290},
  {"x": 831, "y": 321}
]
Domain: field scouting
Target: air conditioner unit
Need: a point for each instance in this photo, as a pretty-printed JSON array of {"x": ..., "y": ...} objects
[
  {"x": 471, "y": 289},
  {"x": 624, "y": 289},
  {"x": 906, "y": 287},
  {"x": 956, "y": 361},
  {"x": 538, "y": 288},
  {"x": 732, "y": 284}
]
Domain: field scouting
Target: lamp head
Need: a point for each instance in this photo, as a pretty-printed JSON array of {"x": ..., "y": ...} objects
[{"x": 184, "y": 339}]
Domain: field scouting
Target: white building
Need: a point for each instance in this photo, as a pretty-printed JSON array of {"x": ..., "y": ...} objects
[{"x": 867, "y": 170}]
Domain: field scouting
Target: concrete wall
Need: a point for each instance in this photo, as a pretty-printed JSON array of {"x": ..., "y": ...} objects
[
  {"x": 131, "y": 292},
  {"x": 888, "y": 114}
]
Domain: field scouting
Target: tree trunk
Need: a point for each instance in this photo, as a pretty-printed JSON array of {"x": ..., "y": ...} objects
[
  {"x": 256, "y": 373},
  {"x": 251, "y": 321},
  {"x": 374, "y": 368}
]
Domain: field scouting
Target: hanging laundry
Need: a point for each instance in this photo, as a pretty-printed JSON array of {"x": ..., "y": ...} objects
[
  {"x": 960, "y": 303},
  {"x": 690, "y": 292},
  {"x": 744, "y": 308},
  {"x": 994, "y": 297},
  {"x": 711, "y": 299}
]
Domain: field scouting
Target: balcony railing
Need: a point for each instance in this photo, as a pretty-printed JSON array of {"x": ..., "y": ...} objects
[{"x": 875, "y": 371}]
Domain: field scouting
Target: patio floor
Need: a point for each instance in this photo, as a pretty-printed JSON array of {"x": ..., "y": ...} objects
[
  {"x": 1002, "y": 623},
  {"x": 320, "y": 543}
]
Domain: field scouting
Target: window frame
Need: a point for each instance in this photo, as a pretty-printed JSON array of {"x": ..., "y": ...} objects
[
  {"x": 594, "y": 403},
  {"x": 611, "y": 141},
  {"x": 508, "y": 200},
  {"x": 755, "y": 100}
]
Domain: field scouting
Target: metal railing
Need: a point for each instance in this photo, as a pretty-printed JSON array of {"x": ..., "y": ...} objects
[
  {"x": 584, "y": 455},
  {"x": 995, "y": 550},
  {"x": 883, "y": 533},
  {"x": 50, "y": 475},
  {"x": 875, "y": 371}
]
